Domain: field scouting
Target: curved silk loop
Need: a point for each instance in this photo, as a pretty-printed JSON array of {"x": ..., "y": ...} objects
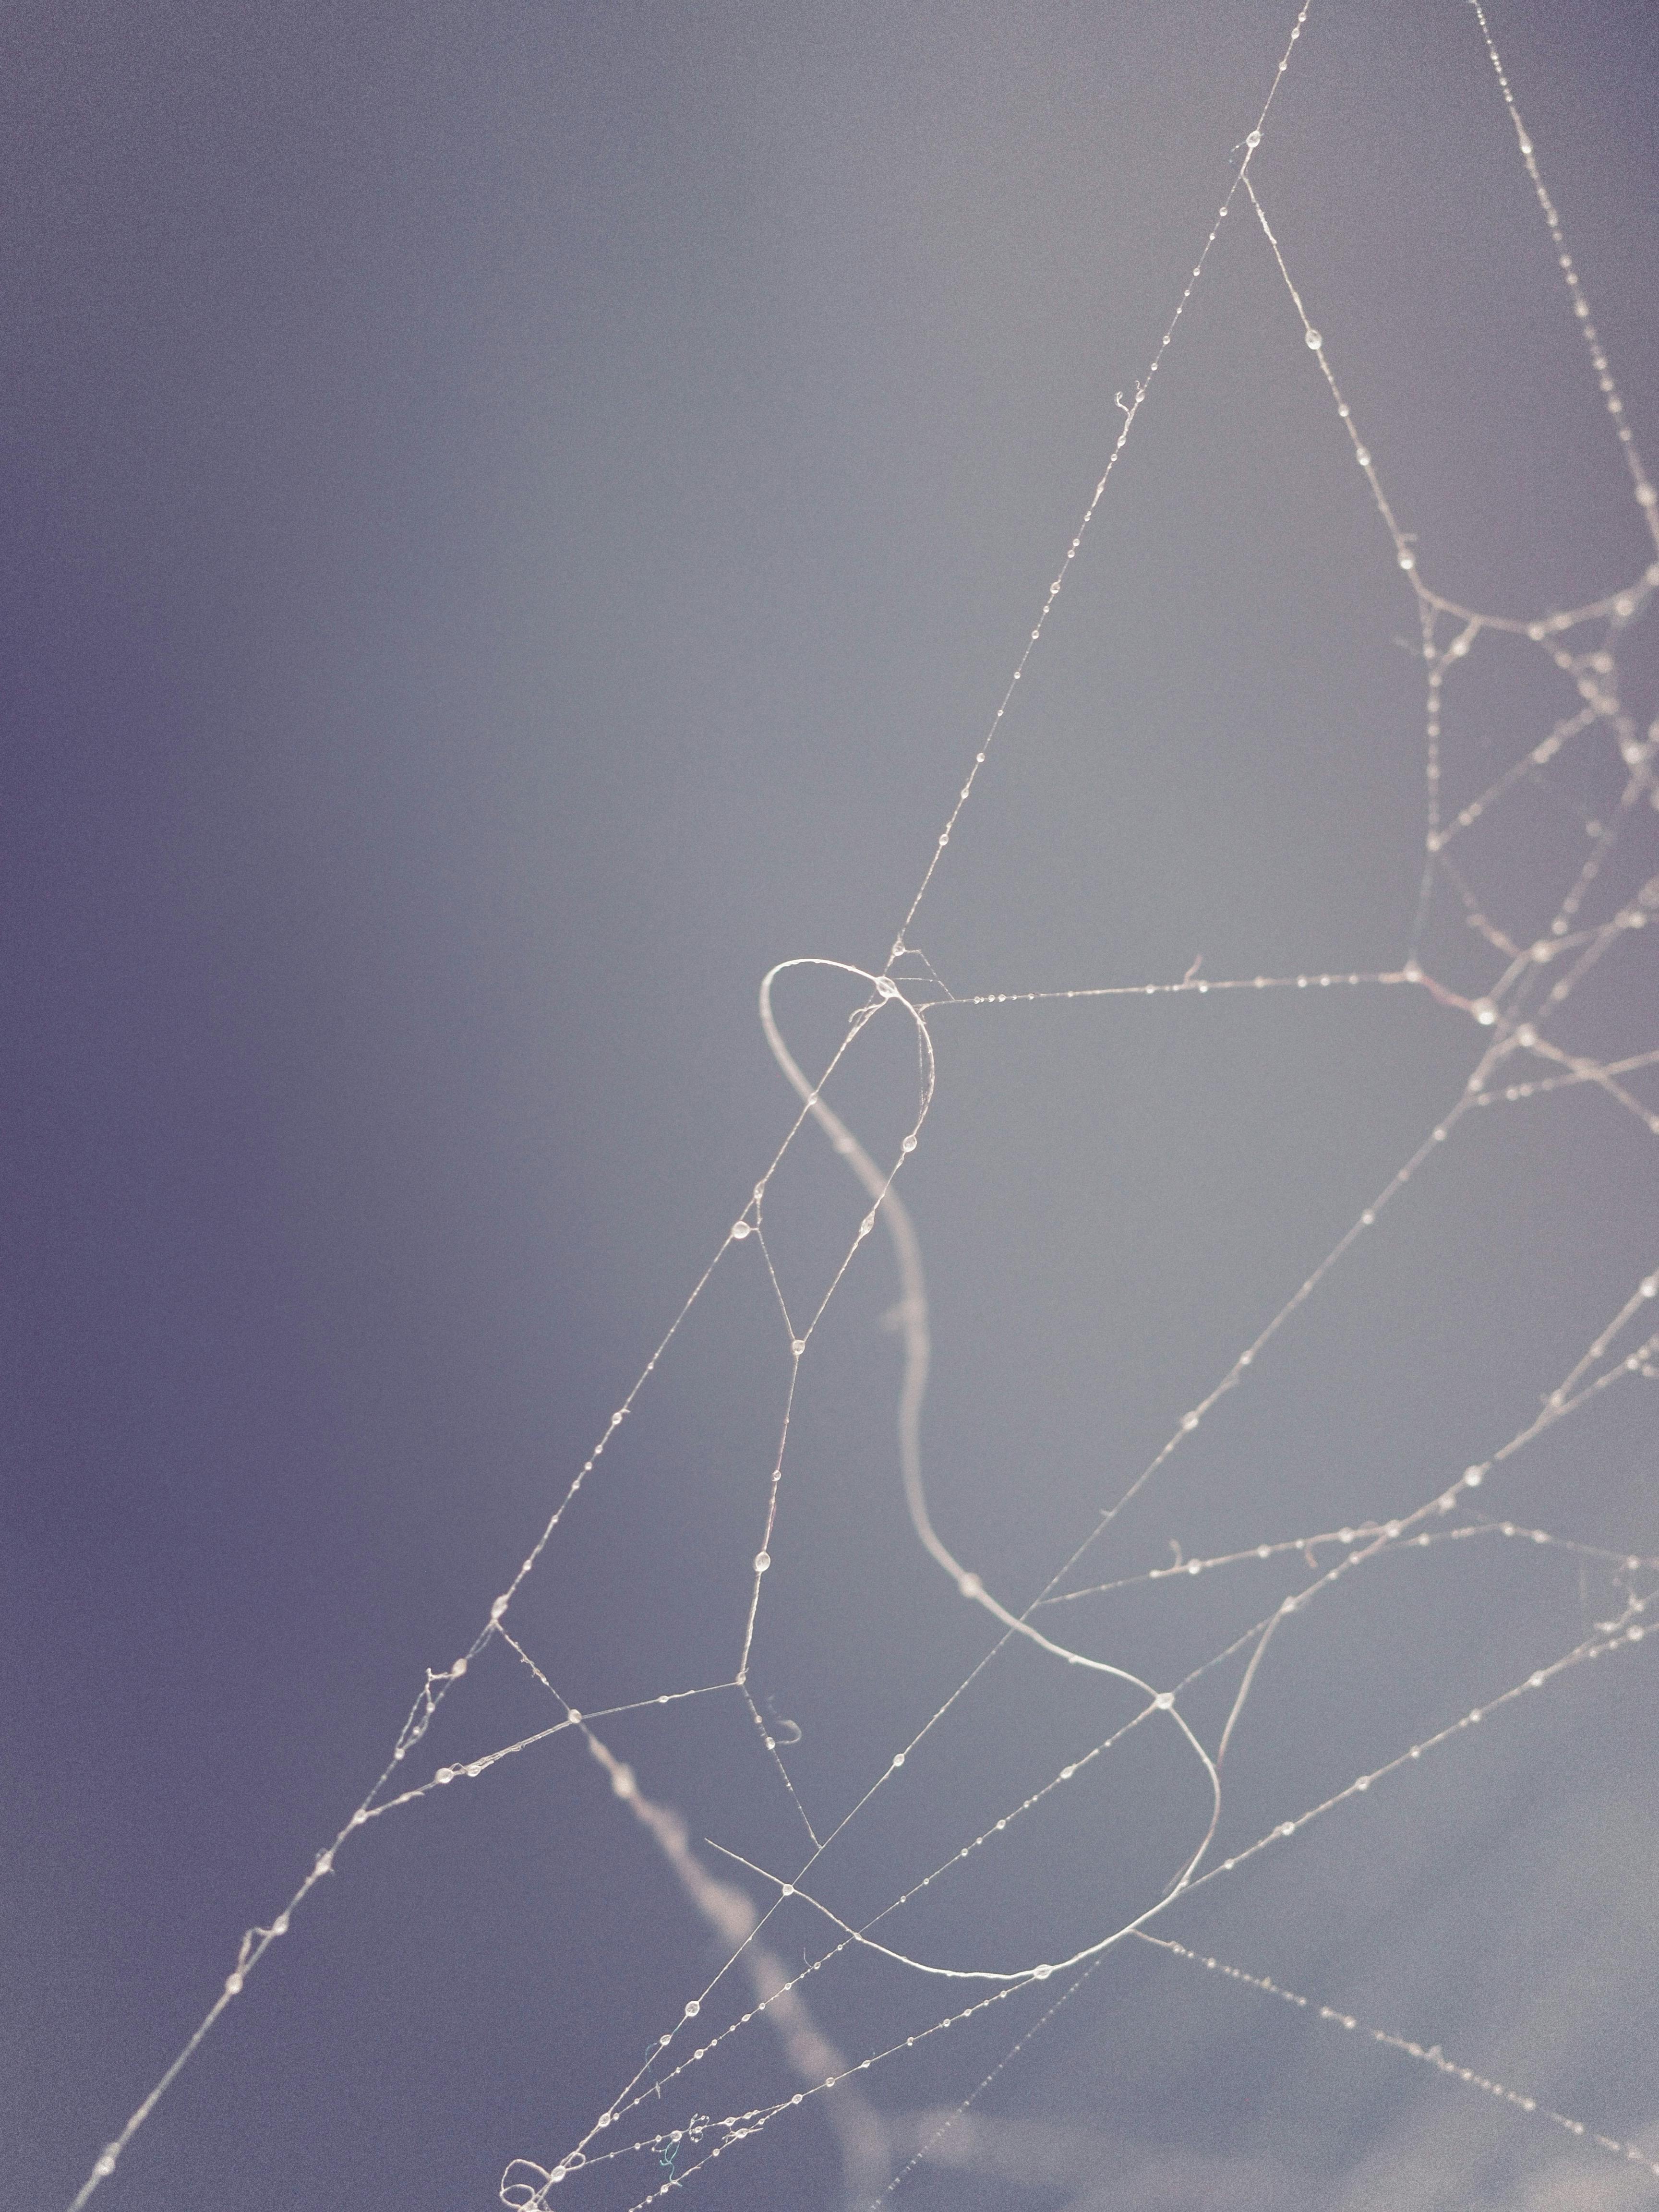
[{"x": 912, "y": 1314}]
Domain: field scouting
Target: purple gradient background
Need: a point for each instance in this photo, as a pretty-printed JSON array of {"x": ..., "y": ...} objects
[{"x": 517, "y": 517}]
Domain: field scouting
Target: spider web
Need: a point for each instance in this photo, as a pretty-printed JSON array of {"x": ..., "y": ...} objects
[{"x": 922, "y": 1904}]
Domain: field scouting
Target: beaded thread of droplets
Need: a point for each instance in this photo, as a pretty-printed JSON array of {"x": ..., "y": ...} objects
[{"x": 1514, "y": 1031}]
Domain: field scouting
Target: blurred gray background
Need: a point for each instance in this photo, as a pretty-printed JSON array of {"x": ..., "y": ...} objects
[{"x": 518, "y": 516}]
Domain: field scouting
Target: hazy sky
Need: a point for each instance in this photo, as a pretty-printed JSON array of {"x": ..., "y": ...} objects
[{"x": 520, "y": 517}]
